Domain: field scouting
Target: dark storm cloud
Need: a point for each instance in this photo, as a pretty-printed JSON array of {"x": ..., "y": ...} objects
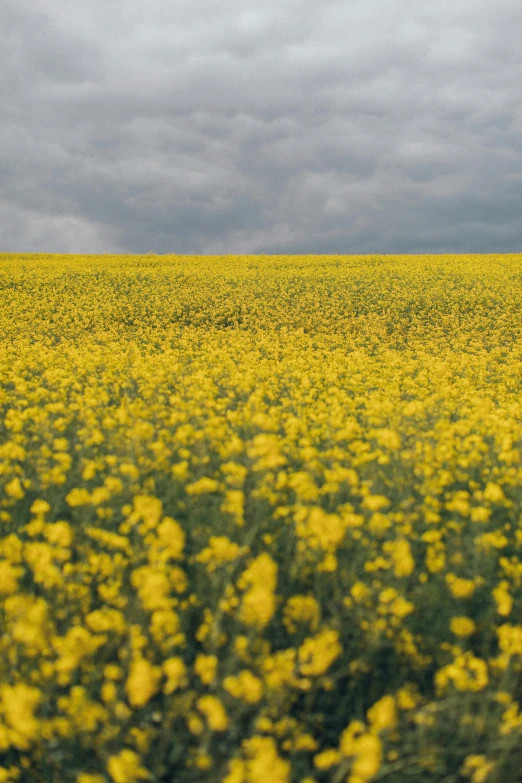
[{"x": 219, "y": 127}]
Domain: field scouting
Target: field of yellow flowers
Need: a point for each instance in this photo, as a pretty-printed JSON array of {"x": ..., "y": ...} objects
[{"x": 260, "y": 519}]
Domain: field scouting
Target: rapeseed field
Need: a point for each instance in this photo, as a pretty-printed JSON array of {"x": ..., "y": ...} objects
[{"x": 260, "y": 519}]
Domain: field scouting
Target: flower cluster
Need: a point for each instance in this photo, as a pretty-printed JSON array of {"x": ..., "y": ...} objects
[{"x": 260, "y": 519}]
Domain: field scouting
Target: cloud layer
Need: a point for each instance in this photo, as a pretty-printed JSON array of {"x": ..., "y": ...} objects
[{"x": 369, "y": 126}]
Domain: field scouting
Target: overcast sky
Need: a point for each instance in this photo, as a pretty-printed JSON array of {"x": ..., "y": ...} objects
[{"x": 268, "y": 126}]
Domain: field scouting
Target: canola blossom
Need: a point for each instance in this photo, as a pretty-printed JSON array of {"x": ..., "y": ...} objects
[{"x": 260, "y": 519}]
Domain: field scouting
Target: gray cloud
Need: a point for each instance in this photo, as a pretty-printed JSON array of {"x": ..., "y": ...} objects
[{"x": 277, "y": 127}]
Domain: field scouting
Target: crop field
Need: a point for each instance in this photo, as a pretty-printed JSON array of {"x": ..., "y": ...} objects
[{"x": 260, "y": 519}]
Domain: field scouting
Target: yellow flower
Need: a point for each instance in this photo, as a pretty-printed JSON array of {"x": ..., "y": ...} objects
[
  {"x": 503, "y": 599},
  {"x": 220, "y": 550},
  {"x": 40, "y": 507},
  {"x": 202, "y": 486},
  {"x": 170, "y": 539},
  {"x": 304, "y": 742},
  {"x": 14, "y": 489},
  {"x": 79, "y": 496},
  {"x": 368, "y": 758},
  {"x": 28, "y": 617},
  {"x": 467, "y": 673},
  {"x": 494, "y": 493},
  {"x": 214, "y": 712},
  {"x": 205, "y": 667},
  {"x": 142, "y": 682},
  {"x": 140, "y": 738},
  {"x": 510, "y": 639},
  {"x": 359, "y": 592},
  {"x": 383, "y": 714},
  {"x": 59, "y": 533},
  {"x": 400, "y": 551},
  {"x": 176, "y": 672},
  {"x": 244, "y": 686},
  {"x": 511, "y": 720},
  {"x": 18, "y": 704},
  {"x": 462, "y": 626},
  {"x": 153, "y": 587},
  {"x": 350, "y": 737},
  {"x": 260, "y": 580},
  {"x": 125, "y": 767},
  {"x": 109, "y": 692},
  {"x": 9, "y": 576},
  {"x": 72, "y": 648},
  {"x": 234, "y": 504},
  {"x": 317, "y": 653},
  {"x": 327, "y": 759},
  {"x": 375, "y": 502},
  {"x": 264, "y": 763},
  {"x": 279, "y": 668},
  {"x": 460, "y": 588},
  {"x": 407, "y": 697},
  {"x": 113, "y": 672},
  {"x": 236, "y": 773},
  {"x": 84, "y": 713},
  {"x": 477, "y": 768},
  {"x": 204, "y": 762},
  {"x": 9, "y": 775},
  {"x": 301, "y": 609}
]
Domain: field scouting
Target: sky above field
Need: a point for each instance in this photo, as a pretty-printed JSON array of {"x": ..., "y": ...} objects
[{"x": 345, "y": 126}]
